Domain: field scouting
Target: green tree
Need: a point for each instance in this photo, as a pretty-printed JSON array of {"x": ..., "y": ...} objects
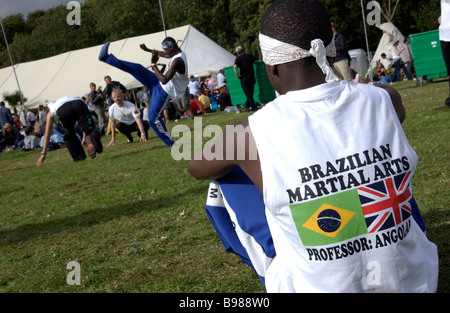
[
  {"x": 12, "y": 24},
  {"x": 14, "y": 99},
  {"x": 228, "y": 22}
]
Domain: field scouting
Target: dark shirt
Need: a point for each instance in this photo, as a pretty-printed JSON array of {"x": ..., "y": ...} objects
[
  {"x": 245, "y": 64},
  {"x": 5, "y": 116},
  {"x": 14, "y": 138},
  {"x": 96, "y": 99},
  {"x": 224, "y": 101},
  {"x": 114, "y": 85},
  {"x": 341, "y": 48}
]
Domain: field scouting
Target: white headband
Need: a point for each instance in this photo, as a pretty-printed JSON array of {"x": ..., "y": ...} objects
[{"x": 276, "y": 52}]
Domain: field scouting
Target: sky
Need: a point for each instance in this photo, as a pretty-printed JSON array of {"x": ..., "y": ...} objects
[{"x": 9, "y": 7}]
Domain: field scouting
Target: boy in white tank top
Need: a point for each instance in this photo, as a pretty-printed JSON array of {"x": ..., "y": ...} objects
[
  {"x": 334, "y": 169},
  {"x": 172, "y": 84}
]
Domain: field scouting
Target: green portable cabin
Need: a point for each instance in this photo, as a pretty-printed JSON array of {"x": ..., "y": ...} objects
[
  {"x": 427, "y": 55},
  {"x": 264, "y": 91}
]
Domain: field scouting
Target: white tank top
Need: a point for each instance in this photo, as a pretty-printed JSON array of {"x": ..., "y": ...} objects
[
  {"x": 176, "y": 87},
  {"x": 395, "y": 56},
  {"x": 337, "y": 169}
]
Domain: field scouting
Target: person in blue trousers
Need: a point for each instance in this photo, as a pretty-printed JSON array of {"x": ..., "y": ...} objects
[{"x": 172, "y": 84}]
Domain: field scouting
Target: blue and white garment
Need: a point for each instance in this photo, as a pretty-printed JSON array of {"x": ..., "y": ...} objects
[
  {"x": 236, "y": 210},
  {"x": 338, "y": 193},
  {"x": 235, "y": 207}
]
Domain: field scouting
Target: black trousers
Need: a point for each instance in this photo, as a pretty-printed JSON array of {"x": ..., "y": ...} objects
[
  {"x": 128, "y": 129},
  {"x": 445, "y": 47},
  {"x": 248, "y": 86},
  {"x": 69, "y": 114}
]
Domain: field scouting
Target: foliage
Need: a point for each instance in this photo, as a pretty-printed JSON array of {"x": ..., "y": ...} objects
[
  {"x": 228, "y": 22},
  {"x": 14, "y": 98}
]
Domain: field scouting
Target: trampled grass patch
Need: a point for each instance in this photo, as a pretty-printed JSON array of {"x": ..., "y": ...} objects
[{"x": 134, "y": 219}]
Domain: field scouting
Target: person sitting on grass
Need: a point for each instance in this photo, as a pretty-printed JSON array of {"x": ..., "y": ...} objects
[
  {"x": 204, "y": 101},
  {"x": 332, "y": 166},
  {"x": 128, "y": 118},
  {"x": 31, "y": 141},
  {"x": 196, "y": 106},
  {"x": 13, "y": 138}
]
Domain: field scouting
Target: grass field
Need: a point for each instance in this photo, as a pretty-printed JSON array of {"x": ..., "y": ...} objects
[{"x": 134, "y": 219}]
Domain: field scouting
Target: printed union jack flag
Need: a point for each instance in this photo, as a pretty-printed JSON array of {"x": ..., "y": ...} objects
[{"x": 386, "y": 204}]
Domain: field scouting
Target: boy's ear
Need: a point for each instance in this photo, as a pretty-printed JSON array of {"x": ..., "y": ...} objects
[
  {"x": 273, "y": 75},
  {"x": 273, "y": 70}
]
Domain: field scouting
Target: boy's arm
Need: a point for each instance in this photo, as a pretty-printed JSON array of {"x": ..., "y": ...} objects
[
  {"x": 48, "y": 133},
  {"x": 154, "y": 51},
  {"x": 177, "y": 66},
  {"x": 235, "y": 147},
  {"x": 396, "y": 101}
]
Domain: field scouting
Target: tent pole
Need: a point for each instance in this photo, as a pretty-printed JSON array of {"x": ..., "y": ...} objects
[
  {"x": 367, "y": 39},
  {"x": 12, "y": 63},
  {"x": 162, "y": 18}
]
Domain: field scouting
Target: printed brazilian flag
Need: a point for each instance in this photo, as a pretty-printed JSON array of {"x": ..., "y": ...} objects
[{"x": 329, "y": 220}]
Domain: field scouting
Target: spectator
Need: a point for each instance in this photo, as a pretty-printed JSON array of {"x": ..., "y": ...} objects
[
  {"x": 13, "y": 138},
  {"x": 31, "y": 117},
  {"x": 196, "y": 106},
  {"x": 110, "y": 86},
  {"x": 5, "y": 115},
  {"x": 245, "y": 72},
  {"x": 407, "y": 57},
  {"x": 444, "y": 38},
  {"x": 211, "y": 83},
  {"x": 193, "y": 86},
  {"x": 97, "y": 100},
  {"x": 204, "y": 101},
  {"x": 341, "y": 64},
  {"x": 398, "y": 62},
  {"x": 42, "y": 118},
  {"x": 356, "y": 78},
  {"x": 224, "y": 99},
  {"x": 31, "y": 141},
  {"x": 221, "y": 80}
]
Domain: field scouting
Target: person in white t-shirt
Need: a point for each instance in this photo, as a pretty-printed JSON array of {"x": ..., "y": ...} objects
[
  {"x": 128, "y": 118},
  {"x": 193, "y": 86},
  {"x": 333, "y": 166},
  {"x": 444, "y": 37},
  {"x": 221, "y": 80}
]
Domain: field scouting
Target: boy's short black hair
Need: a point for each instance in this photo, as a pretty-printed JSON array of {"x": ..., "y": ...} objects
[{"x": 297, "y": 22}]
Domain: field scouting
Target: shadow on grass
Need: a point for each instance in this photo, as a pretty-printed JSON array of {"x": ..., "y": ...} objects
[{"x": 91, "y": 217}]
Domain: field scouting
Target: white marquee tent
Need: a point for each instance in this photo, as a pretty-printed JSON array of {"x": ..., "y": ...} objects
[{"x": 70, "y": 73}]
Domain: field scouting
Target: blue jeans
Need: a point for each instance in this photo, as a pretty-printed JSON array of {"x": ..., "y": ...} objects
[
  {"x": 399, "y": 65},
  {"x": 158, "y": 95}
]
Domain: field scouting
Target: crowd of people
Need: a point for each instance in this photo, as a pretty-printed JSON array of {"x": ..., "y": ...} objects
[{"x": 26, "y": 129}]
